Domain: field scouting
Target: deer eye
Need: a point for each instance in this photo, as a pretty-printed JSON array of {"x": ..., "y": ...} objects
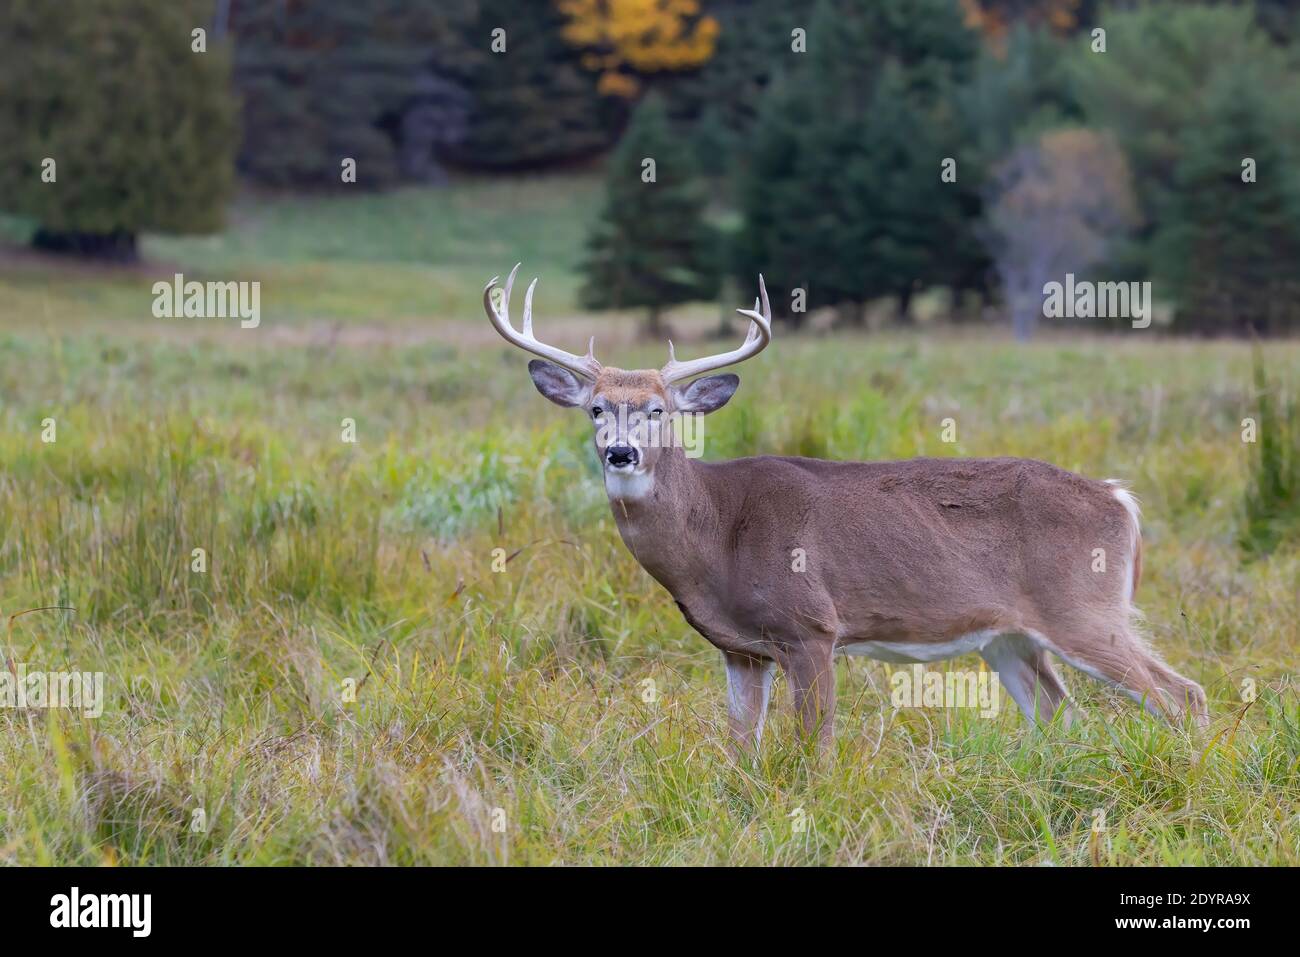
[
  {"x": 597, "y": 412},
  {"x": 655, "y": 413}
]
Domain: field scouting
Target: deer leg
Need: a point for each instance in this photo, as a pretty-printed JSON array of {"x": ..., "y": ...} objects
[
  {"x": 1024, "y": 669},
  {"x": 749, "y": 685},
  {"x": 810, "y": 670},
  {"x": 1052, "y": 693},
  {"x": 1123, "y": 659}
]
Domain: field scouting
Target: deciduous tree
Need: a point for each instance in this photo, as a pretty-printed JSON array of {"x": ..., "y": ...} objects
[
  {"x": 1055, "y": 207},
  {"x": 624, "y": 40}
]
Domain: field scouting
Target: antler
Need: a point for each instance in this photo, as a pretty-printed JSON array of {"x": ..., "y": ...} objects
[
  {"x": 585, "y": 366},
  {"x": 756, "y": 340}
]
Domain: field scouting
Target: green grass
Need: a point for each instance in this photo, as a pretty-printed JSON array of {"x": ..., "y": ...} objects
[
  {"x": 369, "y": 565},
  {"x": 1273, "y": 489},
  {"x": 411, "y": 254}
]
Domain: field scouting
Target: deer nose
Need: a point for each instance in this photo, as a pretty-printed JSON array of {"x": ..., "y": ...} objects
[{"x": 619, "y": 455}]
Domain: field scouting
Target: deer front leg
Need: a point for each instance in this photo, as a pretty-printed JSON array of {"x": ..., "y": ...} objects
[
  {"x": 810, "y": 670},
  {"x": 749, "y": 684}
]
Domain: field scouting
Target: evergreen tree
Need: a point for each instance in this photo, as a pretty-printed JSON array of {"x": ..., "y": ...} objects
[
  {"x": 1230, "y": 234},
  {"x": 789, "y": 221},
  {"x": 844, "y": 194},
  {"x": 1019, "y": 92},
  {"x": 722, "y": 99},
  {"x": 381, "y": 82},
  {"x": 907, "y": 226},
  {"x": 1148, "y": 87},
  {"x": 533, "y": 102},
  {"x": 651, "y": 245},
  {"x": 140, "y": 128}
]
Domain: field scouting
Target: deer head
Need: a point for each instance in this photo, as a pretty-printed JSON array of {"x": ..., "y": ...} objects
[{"x": 631, "y": 410}]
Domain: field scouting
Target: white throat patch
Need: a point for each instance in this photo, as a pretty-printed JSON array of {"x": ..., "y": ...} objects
[{"x": 629, "y": 484}]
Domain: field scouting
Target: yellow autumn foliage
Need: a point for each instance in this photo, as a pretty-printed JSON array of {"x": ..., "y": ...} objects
[
  {"x": 993, "y": 18},
  {"x": 624, "y": 39}
]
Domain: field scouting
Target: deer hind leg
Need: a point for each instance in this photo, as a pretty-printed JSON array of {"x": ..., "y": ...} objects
[
  {"x": 1026, "y": 672},
  {"x": 1123, "y": 659},
  {"x": 749, "y": 686}
]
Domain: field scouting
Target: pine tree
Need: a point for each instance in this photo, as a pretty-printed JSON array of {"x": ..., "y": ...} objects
[
  {"x": 534, "y": 104},
  {"x": 917, "y": 176},
  {"x": 1148, "y": 87},
  {"x": 1019, "y": 92},
  {"x": 790, "y": 222},
  {"x": 139, "y": 127},
  {"x": 1230, "y": 234},
  {"x": 651, "y": 245},
  {"x": 798, "y": 191},
  {"x": 844, "y": 193},
  {"x": 756, "y": 42}
]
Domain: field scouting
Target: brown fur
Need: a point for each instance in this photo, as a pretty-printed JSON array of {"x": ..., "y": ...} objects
[
  {"x": 918, "y": 552},
  {"x": 634, "y": 387}
]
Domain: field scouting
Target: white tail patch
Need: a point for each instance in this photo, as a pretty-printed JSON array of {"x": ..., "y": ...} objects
[{"x": 1134, "y": 509}]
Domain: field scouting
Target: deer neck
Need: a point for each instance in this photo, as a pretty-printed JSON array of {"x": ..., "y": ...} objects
[{"x": 668, "y": 521}]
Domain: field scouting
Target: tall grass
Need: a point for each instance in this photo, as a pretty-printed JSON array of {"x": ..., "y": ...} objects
[
  {"x": 1272, "y": 499},
  {"x": 350, "y": 681}
]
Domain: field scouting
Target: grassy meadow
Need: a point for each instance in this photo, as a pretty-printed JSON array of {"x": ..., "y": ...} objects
[{"x": 350, "y": 681}]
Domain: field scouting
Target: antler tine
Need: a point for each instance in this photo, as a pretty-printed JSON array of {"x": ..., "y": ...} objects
[
  {"x": 585, "y": 366},
  {"x": 505, "y": 298},
  {"x": 766, "y": 316},
  {"x": 757, "y": 337},
  {"x": 528, "y": 309}
]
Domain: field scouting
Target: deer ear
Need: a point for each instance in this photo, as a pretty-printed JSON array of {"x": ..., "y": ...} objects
[
  {"x": 559, "y": 385},
  {"x": 706, "y": 395}
]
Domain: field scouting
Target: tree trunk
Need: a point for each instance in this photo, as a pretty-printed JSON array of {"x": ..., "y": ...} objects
[
  {"x": 654, "y": 327},
  {"x": 118, "y": 246},
  {"x": 1024, "y": 316},
  {"x": 851, "y": 315},
  {"x": 726, "y": 327},
  {"x": 905, "y": 306}
]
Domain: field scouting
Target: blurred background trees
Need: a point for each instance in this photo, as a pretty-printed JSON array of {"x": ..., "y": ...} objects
[
  {"x": 624, "y": 40},
  {"x": 533, "y": 103},
  {"x": 110, "y": 124},
  {"x": 385, "y": 83},
  {"x": 858, "y": 154},
  {"x": 651, "y": 246},
  {"x": 1230, "y": 238},
  {"x": 1056, "y": 207},
  {"x": 845, "y": 198}
]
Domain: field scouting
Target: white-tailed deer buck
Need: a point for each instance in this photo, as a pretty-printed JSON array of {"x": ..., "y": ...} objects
[{"x": 912, "y": 561}]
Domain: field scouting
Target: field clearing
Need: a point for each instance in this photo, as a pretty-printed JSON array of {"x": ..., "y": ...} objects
[
  {"x": 371, "y": 562},
  {"x": 386, "y": 259}
]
